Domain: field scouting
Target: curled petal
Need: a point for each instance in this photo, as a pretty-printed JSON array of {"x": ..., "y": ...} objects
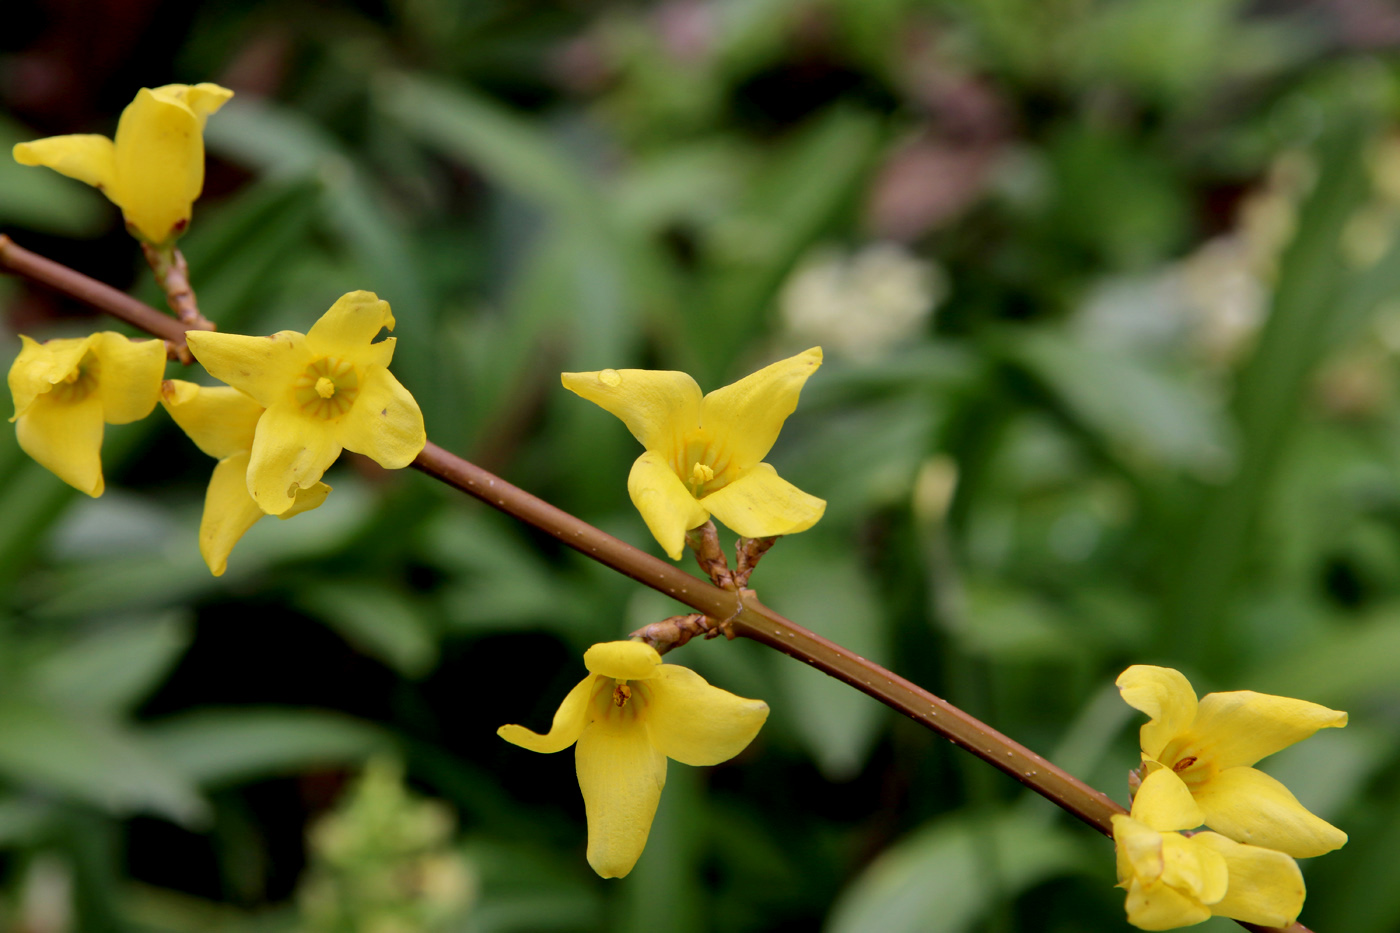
[
  {"x": 228, "y": 512},
  {"x": 666, "y": 505},
  {"x": 264, "y": 367},
  {"x": 312, "y": 497},
  {"x": 159, "y": 165},
  {"x": 220, "y": 420},
  {"x": 1266, "y": 886},
  {"x": 1164, "y": 803},
  {"x": 89, "y": 158},
  {"x": 1138, "y": 847},
  {"x": 1161, "y": 907},
  {"x": 346, "y": 330},
  {"x": 200, "y": 99},
  {"x": 1251, "y": 807},
  {"x": 41, "y": 366},
  {"x": 621, "y": 775},
  {"x": 658, "y": 406},
  {"x": 1240, "y": 727},
  {"x": 761, "y": 503},
  {"x": 66, "y": 438},
  {"x": 290, "y": 450},
  {"x": 623, "y": 660},
  {"x": 129, "y": 384},
  {"x": 569, "y": 721},
  {"x": 1163, "y": 694},
  {"x": 1197, "y": 872},
  {"x": 385, "y": 423},
  {"x": 697, "y": 724},
  {"x": 750, "y": 413}
]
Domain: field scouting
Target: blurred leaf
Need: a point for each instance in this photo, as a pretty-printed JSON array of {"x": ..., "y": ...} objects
[
  {"x": 113, "y": 669},
  {"x": 1342, "y": 668},
  {"x": 1138, "y": 411},
  {"x": 946, "y": 876},
  {"x": 1007, "y": 623},
  {"x": 824, "y": 588},
  {"x": 227, "y": 746},
  {"x": 383, "y": 622},
  {"x": 93, "y": 759}
]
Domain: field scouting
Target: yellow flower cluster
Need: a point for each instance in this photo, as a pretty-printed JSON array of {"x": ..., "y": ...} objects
[{"x": 1197, "y": 769}]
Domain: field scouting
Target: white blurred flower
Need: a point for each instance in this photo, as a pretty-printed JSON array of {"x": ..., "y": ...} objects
[{"x": 861, "y": 305}]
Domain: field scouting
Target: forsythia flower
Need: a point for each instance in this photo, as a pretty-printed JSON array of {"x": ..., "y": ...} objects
[
  {"x": 1209, "y": 747},
  {"x": 222, "y": 422},
  {"x": 1175, "y": 880},
  {"x": 64, "y": 390},
  {"x": 704, "y": 456},
  {"x": 628, "y": 716},
  {"x": 325, "y": 390},
  {"x": 154, "y": 169}
]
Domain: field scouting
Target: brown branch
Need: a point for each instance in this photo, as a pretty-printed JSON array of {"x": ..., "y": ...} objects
[
  {"x": 743, "y": 611},
  {"x": 173, "y": 274}
]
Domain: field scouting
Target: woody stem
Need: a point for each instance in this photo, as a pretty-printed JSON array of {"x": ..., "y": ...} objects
[{"x": 750, "y": 618}]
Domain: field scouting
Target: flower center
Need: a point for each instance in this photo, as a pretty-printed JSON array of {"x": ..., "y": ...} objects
[
  {"x": 619, "y": 700},
  {"x": 80, "y": 382},
  {"x": 1193, "y": 769},
  {"x": 327, "y": 388},
  {"x": 702, "y": 465}
]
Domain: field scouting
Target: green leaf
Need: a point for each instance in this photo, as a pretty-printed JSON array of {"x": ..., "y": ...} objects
[
  {"x": 114, "y": 668},
  {"x": 41, "y": 199},
  {"x": 945, "y": 877},
  {"x": 380, "y": 621},
  {"x": 226, "y": 746}
]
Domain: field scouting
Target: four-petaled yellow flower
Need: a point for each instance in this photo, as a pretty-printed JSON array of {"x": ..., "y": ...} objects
[
  {"x": 64, "y": 390},
  {"x": 222, "y": 422},
  {"x": 1175, "y": 880},
  {"x": 628, "y": 716},
  {"x": 325, "y": 390},
  {"x": 154, "y": 169},
  {"x": 704, "y": 456},
  {"x": 1209, "y": 747}
]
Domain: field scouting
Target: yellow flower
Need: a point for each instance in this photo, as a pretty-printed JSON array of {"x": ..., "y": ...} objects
[
  {"x": 222, "y": 422},
  {"x": 154, "y": 169},
  {"x": 704, "y": 455},
  {"x": 325, "y": 390},
  {"x": 65, "y": 389},
  {"x": 1209, "y": 748},
  {"x": 628, "y": 716},
  {"x": 1176, "y": 880}
]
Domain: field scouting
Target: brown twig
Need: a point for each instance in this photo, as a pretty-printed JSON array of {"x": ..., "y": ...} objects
[
  {"x": 750, "y": 551},
  {"x": 173, "y": 274},
  {"x": 747, "y": 616},
  {"x": 704, "y": 541}
]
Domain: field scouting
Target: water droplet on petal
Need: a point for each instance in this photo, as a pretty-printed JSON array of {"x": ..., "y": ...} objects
[{"x": 610, "y": 377}]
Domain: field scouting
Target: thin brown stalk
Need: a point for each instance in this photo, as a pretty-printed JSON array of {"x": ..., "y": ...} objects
[
  {"x": 742, "y": 613},
  {"x": 173, "y": 274}
]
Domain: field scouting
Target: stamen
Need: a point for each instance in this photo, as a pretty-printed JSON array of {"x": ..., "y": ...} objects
[
  {"x": 700, "y": 474},
  {"x": 324, "y": 387},
  {"x": 621, "y": 694},
  {"x": 1183, "y": 764}
]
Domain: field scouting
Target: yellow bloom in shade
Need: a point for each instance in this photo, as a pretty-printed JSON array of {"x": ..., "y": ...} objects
[
  {"x": 1210, "y": 746},
  {"x": 222, "y": 422},
  {"x": 154, "y": 169},
  {"x": 324, "y": 391},
  {"x": 704, "y": 456},
  {"x": 628, "y": 716},
  {"x": 65, "y": 390},
  {"x": 1175, "y": 880}
]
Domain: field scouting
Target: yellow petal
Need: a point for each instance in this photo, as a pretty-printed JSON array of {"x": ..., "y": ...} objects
[
  {"x": 1139, "y": 849},
  {"x": 1163, "y": 694},
  {"x": 129, "y": 381},
  {"x": 749, "y": 413},
  {"x": 621, "y": 776},
  {"x": 569, "y": 721},
  {"x": 666, "y": 505},
  {"x": 66, "y": 438},
  {"x": 345, "y": 331},
  {"x": 1164, "y": 803},
  {"x": 290, "y": 449},
  {"x": 1193, "y": 870},
  {"x": 220, "y": 420},
  {"x": 698, "y": 724},
  {"x": 1240, "y": 727},
  {"x": 1266, "y": 886},
  {"x": 41, "y": 366},
  {"x": 1251, "y": 807},
  {"x": 159, "y": 165},
  {"x": 264, "y": 367},
  {"x": 228, "y": 511},
  {"x": 88, "y": 158},
  {"x": 761, "y": 503},
  {"x": 1159, "y": 907},
  {"x": 658, "y": 406},
  {"x": 200, "y": 99},
  {"x": 385, "y": 423},
  {"x": 623, "y": 660},
  {"x": 312, "y": 497}
]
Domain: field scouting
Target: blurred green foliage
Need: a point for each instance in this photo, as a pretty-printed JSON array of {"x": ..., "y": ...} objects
[{"x": 1107, "y": 290}]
